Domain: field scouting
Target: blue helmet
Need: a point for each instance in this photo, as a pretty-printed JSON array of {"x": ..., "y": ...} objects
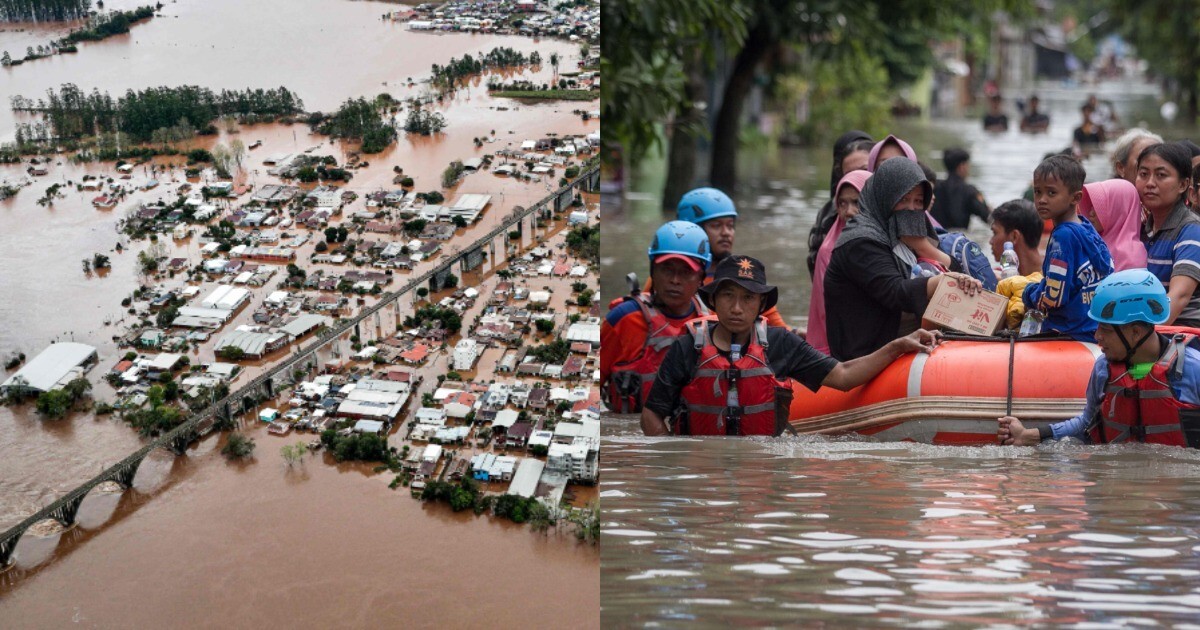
[
  {"x": 683, "y": 239},
  {"x": 704, "y": 204},
  {"x": 1133, "y": 295}
]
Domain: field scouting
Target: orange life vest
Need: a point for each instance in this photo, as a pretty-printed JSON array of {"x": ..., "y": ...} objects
[
  {"x": 1144, "y": 410},
  {"x": 706, "y": 397},
  {"x": 629, "y": 382}
]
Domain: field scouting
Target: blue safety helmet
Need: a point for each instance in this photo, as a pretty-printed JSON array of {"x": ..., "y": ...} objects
[
  {"x": 1133, "y": 295},
  {"x": 681, "y": 238},
  {"x": 704, "y": 204}
]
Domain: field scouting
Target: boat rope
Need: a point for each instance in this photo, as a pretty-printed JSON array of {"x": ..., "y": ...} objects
[{"x": 1012, "y": 347}]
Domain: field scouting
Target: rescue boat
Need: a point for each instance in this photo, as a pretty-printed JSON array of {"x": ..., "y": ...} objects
[{"x": 954, "y": 394}]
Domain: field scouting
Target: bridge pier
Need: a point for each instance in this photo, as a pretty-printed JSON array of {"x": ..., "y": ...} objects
[
  {"x": 181, "y": 442},
  {"x": 67, "y": 512},
  {"x": 270, "y": 387},
  {"x": 358, "y": 331},
  {"x": 8, "y": 546},
  {"x": 125, "y": 475}
]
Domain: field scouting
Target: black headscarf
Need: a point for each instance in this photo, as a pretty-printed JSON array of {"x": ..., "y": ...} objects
[
  {"x": 876, "y": 220},
  {"x": 839, "y": 153}
]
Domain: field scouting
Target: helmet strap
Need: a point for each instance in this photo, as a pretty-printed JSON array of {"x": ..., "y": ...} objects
[{"x": 1130, "y": 349}]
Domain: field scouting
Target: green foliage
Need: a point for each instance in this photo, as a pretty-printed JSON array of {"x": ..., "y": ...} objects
[
  {"x": 432, "y": 196},
  {"x": 451, "y": 173},
  {"x": 1164, "y": 34},
  {"x": 514, "y": 508},
  {"x": 356, "y": 446},
  {"x": 362, "y": 120},
  {"x": 238, "y": 446},
  {"x": 72, "y": 113},
  {"x": 43, "y": 10},
  {"x": 539, "y": 450},
  {"x": 584, "y": 298},
  {"x": 231, "y": 353},
  {"x": 424, "y": 122},
  {"x": 415, "y": 226},
  {"x": 835, "y": 103},
  {"x": 108, "y": 24},
  {"x": 453, "y": 73},
  {"x": 545, "y": 325},
  {"x": 294, "y": 453},
  {"x": 54, "y": 403},
  {"x": 554, "y": 352},
  {"x": 199, "y": 155},
  {"x": 450, "y": 281},
  {"x": 547, "y": 95},
  {"x": 430, "y": 313},
  {"x": 307, "y": 174},
  {"x": 155, "y": 420},
  {"x": 584, "y": 242}
]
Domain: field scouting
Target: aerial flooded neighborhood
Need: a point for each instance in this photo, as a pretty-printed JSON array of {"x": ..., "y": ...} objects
[{"x": 326, "y": 283}]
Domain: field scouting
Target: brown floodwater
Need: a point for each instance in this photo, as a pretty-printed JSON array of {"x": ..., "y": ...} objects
[{"x": 287, "y": 542}]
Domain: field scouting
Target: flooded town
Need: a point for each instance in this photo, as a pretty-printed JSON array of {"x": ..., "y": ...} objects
[{"x": 301, "y": 312}]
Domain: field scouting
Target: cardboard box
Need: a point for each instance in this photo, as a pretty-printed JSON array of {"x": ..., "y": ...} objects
[{"x": 981, "y": 314}]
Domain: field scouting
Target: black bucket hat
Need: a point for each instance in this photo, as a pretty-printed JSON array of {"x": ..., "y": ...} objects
[{"x": 746, "y": 272}]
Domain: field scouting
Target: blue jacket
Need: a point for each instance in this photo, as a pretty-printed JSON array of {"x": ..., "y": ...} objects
[
  {"x": 1076, "y": 261},
  {"x": 1186, "y": 389}
]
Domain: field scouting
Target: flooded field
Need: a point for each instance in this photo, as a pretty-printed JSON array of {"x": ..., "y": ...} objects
[{"x": 853, "y": 533}]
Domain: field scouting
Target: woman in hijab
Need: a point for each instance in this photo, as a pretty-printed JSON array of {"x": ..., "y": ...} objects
[
  {"x": 1114, "y": 209},
  {"x": 846, "y": 203},
  {"x": 871, "y": 295},
  {"x": 887, "y": 149},
  {"x": 850, "y": 153}
]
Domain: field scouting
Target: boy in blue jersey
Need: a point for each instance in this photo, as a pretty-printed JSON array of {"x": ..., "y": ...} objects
[{"x": 1076, "y": 257}]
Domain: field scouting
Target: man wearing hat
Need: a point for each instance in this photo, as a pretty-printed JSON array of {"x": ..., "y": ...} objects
[
  {"x": 637, "y": 331},
  {"x": 728, "y": 377}
]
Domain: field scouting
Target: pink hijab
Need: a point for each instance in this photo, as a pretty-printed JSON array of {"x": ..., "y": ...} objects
[
  {"x": 816, "y": 305},
  {"x": 1116, "y": 204},
  {"x": 904, "y": 146}
]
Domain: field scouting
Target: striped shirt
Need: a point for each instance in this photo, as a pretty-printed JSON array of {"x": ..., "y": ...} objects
[{"x": 1174, "y": 250}]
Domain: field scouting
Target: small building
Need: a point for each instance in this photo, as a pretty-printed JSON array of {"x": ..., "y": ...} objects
[
  {"x": 465, "y": 354},
  {"x": 268, "y": 414}
]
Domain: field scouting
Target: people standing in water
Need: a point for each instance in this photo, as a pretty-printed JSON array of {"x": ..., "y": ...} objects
[
  {"x": 1171, "y": 232},
  {"x": 956, "y": 201},
  {"x": 1076, "y": 257},
  {"x": 1113, "y": 208},
  {"x": 1034, "y": 121},
  {"x": 1088, "y": 135},
  {"x": 1126, "y": 150},
  {"x": 715, "y": 212},
  {"x": 635, "y": 334},
  {"x": 726, "y": 377},
  {"x": 995, "y": 121},
  {"x": 846, "y": 197},
  {"x": 850, "y": 153},
  {"x": 871, "y": 294},
  {"x": 1145, "y": 387}
]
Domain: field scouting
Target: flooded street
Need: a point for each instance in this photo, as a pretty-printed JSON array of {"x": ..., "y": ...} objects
[
  {"x": 255, "y": 543},
  {"x": 856, "y": 533}
]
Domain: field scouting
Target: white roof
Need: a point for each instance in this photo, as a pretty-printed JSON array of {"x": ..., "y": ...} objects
[
  {"x": 525, "y": 480},
  {"x": 584, "y": 331},
  {"x": 277, "y": 297},
  {"x": 472, "y": 202},
  {"x": 164, "y": 361},
  {"x": 432, "y": 453},
  {"x": 53, "y": 365},
  {"x": 368, "y": 426},
  {"x": 505, "y": 418},
  {"x": 216, "y": 296},
  {"x": 254, "y": 343},
  {"x": 234, "y": 298}
]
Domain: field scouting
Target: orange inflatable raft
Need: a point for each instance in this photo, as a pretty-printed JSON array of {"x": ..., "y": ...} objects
[{"x": 954, "y": 394}]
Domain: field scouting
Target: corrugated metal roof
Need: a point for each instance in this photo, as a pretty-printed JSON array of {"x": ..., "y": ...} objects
[{"x": 52, "y": 365}]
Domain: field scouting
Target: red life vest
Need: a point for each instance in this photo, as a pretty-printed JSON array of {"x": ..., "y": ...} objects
[
  {"x": 1144, "y": 410},
  {"x": 705, "y": 398},
  {"x": 629, "y": 382}
]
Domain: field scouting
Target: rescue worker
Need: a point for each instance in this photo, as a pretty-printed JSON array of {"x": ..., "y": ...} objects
[
  {"x": 714, "y": 211},
  {"x": 728, "y": 377},
  {"x": 1146, "y": 386},
  {"x": 637, "y": 331}
]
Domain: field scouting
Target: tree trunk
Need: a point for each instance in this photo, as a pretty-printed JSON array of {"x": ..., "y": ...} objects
[
  {"x": 681, "y": 151},
  {"x": 728, "y": 124}
]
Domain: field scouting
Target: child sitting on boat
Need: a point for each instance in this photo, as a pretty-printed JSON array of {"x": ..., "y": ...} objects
[{"x": 1077, "y": 259}]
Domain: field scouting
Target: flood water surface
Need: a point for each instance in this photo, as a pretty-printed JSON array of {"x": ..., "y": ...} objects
[{"x": 854, "y": 533}]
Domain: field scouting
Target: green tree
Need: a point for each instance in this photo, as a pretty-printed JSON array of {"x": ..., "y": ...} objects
[
  {"x": 293, "y": 453},
  {"x": 231, "y": 353},
  {"x": 238, "y": 446},
  {"x": 54, "y": 403}
]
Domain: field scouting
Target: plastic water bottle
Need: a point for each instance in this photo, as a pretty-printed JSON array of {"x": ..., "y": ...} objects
[
  {"x": 1032, "y": 324},
  {"x": 1008, "y": 261}
]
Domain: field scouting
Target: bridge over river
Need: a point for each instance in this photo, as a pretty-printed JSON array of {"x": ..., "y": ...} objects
[{"x": 65, "y": 509}]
